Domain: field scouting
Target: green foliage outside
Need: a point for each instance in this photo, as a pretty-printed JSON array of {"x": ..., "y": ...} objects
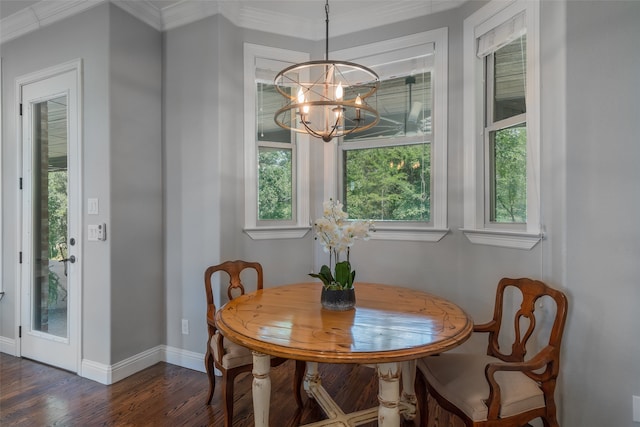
[
  {"x": 388, "y": 183},
  {"x": 57, "y": 199},
  {"x": 509, "y": 192},
  {"x": 275, "y": 196}
]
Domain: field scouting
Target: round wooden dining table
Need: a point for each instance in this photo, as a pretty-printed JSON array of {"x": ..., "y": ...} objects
[{"x": 390, "y": 327}]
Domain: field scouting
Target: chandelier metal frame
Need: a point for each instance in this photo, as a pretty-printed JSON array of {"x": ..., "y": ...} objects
[{"x": 319, "y": 107}]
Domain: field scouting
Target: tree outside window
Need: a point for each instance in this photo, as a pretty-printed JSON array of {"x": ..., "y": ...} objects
[
  {"x": 507, "y": 132},
  {"x": 387, "y": 177}
]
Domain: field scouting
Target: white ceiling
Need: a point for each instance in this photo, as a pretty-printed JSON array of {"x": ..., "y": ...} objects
[{"x": 297, "y": 18}]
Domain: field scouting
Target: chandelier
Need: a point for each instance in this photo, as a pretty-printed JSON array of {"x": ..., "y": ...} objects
[{"x": 327, "y": 99}]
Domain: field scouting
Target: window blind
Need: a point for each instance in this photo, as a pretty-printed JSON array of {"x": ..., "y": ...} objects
[{"x": 501, "y": 35}]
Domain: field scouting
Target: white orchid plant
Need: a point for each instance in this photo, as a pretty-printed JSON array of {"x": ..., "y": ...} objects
[{"x": 337, "y": 235}]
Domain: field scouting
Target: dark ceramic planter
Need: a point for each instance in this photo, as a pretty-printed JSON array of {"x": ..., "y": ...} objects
[{"x": 338, "y": 300}]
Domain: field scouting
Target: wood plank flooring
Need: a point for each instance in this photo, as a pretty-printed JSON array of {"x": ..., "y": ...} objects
[{"x": 33, "y": 394}]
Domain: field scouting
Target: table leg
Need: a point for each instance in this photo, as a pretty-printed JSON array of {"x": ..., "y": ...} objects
[
  {"x": 312, "y": 376},
  {"x": 261, "y": 389},
  {"x": 408, "y": 389},
  {"x": 389, "y": 394}
]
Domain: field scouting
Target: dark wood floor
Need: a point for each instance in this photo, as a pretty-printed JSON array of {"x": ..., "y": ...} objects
[{"x": 32, "y": 394}]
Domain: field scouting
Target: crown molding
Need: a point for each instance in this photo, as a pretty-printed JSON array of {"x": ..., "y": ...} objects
[
  {"x": 19, "y": 23},
  {"x": 187, "y": 12},
  {"x": 41, "y": 14},
  {"x": 270, "y": 21},
  {"x": 375, "y": 14}
]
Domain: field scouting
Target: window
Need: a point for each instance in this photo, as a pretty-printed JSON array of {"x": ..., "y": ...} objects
[
  {"x": 505, "y": 133},
  {"x": 388, "y": 176},
  {"x": 276, "y": 158},
  {"x": 501, "y": 133},
  {"x": 276, "y": 189},
  {"x": 395, "y": 173}
]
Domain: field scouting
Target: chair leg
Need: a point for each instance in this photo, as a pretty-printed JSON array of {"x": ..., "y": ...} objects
[
  {"x": 298, "y": 376},
  {"x": 550, "y": 420},
  {"x": 227, "y": 398},
  {"x": 422, "y": 398},
  {"x": 208, "y": 363}
]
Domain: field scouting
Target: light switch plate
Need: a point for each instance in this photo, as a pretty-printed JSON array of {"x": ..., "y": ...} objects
[
  {"x": 92, "y": 207},
  {"x": 92, "y": 234},
  {"x": 636, "y": 409},
  {"x": 97, "y": 232}
]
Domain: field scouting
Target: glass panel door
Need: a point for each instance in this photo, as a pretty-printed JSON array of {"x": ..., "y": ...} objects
[
  {"x": 50, "y": 255},
  {"x": 51, "y": 216}
]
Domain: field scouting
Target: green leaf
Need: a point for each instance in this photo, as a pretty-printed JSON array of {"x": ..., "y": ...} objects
[
  {"x": 325, "y": 271},
  {"x": 343, "y": 274},
  {"x": 324, "y": 275}
]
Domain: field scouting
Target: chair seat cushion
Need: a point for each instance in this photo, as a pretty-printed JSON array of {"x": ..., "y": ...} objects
[
  {"x": 460, "y": 379},
  {"x": 234, "y": 354}
]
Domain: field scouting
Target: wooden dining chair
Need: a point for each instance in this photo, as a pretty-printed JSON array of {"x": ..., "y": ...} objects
[
  {"x": 502, "y": 387},
  {"x": 228, "y": 357}
]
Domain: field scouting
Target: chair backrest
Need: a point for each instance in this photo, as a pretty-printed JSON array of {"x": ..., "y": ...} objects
[
  {"x": 233, "y": 269},
  {"x": 525, "y": 322}
]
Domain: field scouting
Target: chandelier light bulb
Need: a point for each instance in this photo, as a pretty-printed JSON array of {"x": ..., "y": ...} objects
[{"x": 358, "y": 104}]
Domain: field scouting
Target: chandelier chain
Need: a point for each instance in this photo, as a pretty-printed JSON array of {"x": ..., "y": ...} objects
[{"x": 326, "y": 39}]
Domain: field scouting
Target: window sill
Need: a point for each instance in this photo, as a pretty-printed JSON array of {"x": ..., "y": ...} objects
[
  {"x": 415, "y": 234},
  {"x": 504, "y": 239},
  {"x": 277, "y": 232}
]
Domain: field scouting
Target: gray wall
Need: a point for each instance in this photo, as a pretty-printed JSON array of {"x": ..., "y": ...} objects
[
  {"x": 192, "y": 176},
  {"x": 135, "y": 172},
  {"x": 123, "y": 285},
  {"x": 602, "y": 363},
  {"x": 50, "y": 46}
]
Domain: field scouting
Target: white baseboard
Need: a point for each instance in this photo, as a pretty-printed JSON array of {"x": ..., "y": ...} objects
[
  {"x": 95, "y": 371},
  {"x": 109, "y": 374},
  {"x": 8, "y": 345},
  {"x": 184, "y": 358}
]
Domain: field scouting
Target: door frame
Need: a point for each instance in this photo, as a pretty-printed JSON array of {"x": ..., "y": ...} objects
[
  {"x": 2, "y": 287},
  {"x": 76, "y": 303}
]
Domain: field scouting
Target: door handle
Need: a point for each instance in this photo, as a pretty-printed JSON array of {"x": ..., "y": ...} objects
[{"x": 71, "y": 259}]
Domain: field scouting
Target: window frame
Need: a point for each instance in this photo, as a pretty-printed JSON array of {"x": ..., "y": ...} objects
[
  {"x": 436, "y": 228},
  {"x": 260, "y": 229},
  {"x": 477, "y": 226}
]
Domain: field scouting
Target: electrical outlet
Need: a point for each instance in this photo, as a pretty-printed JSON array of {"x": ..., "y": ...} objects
[
  {"x": 636, "y": 408},
  {"x": 185, "y": 326}
]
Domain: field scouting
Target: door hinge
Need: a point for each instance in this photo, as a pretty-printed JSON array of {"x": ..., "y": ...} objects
[
  {"x": 20, "y": 108},
  {"x": 20, "y": 183},
  {"x": 19, "y": 331},
  {"x": 20, "y": 257}
]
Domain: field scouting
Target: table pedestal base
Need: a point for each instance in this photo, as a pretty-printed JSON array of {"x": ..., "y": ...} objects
[{"x": 388, "y": 413}]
